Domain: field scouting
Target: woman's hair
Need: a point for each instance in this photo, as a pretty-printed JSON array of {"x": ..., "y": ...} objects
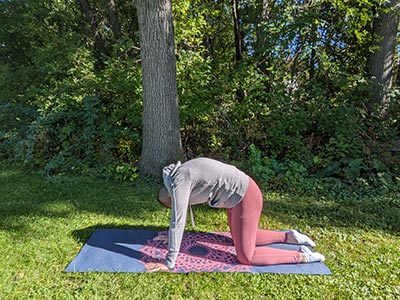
[{"x": 163, "y": 196}]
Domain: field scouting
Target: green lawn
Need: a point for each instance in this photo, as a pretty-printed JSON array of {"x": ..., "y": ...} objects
[{"x": 44, "y": 223}]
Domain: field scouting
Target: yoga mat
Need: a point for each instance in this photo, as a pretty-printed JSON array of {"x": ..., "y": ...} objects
[{"x": 128, "y": 250}]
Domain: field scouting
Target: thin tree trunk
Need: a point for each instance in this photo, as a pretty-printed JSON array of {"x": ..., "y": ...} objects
[
  {"x": 262, "y": 39},
  {"x": 161, "y": 126},
  {"x": 99, "y": 44},
  {"x": 313, "y": 51},
  {"x": 265, "y": 8},
  {"x": 238, "y": 35},
  {"x": 398, "y": 73},
  {"x": 112, "y": 14},
  {"x": 240, "y": 93}
]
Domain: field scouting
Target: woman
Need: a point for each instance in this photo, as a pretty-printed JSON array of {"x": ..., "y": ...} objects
[{"x": 204, "y": 180}]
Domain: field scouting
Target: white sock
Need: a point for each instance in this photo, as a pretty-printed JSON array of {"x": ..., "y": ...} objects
[
  {"x": 310, "y": 255},
  {"x": 301, "y": 238}
]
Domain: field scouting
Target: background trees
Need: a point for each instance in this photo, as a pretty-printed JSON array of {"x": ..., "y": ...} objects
[{"x": 284, "y": 87}]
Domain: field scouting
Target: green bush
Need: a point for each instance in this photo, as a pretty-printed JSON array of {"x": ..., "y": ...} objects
[{"x": 78, "y": 138}]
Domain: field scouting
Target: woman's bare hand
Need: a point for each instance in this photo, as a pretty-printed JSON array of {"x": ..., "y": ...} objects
[
  {"x": 156, "y": 267},
  {"x": 161, "y": 237}
]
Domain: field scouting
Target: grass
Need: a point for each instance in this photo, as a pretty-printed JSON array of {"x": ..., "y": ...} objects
[{"x": 44, "y": 223}]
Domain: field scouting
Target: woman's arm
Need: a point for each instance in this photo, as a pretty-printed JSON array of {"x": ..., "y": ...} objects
[{"x": 180, "y": 202}]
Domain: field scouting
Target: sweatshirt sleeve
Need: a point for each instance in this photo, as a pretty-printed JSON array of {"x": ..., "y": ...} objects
[{"x": 180, "y": 202}]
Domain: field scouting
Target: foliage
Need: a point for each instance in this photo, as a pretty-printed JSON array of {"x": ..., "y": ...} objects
[
  {"x": 65, "y": 115},
  {"x": 290, "y": 175},
  {"x": 293, "y": 109}
]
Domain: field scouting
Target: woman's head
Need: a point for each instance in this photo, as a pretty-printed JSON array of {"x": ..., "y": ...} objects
[{"x": 164, "y": 197}]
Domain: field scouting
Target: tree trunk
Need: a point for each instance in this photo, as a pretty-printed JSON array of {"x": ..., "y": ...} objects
[
  {"x": 381, "y": 61},
  {"x": 398, "y": 73},
  {"x": 313, "y": 55},
  {"x": 99, "y": 44},
  {"x": 112, "y": 14},
  {"x": 238, "y": 35},
  {"x": 161, "y": 126},
  {"x": 265, "y": 7}
]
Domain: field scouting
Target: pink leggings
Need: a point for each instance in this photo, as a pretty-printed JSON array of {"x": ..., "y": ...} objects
[{"x": 243, "y": 222}]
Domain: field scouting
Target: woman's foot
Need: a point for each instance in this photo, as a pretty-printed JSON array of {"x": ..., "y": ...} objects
[
  {"x": 308, "y": 256},
  {"x": 295, "y": 237}
]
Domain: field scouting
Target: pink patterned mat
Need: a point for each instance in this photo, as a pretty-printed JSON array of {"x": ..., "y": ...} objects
[{"x": 199, "y": 253}]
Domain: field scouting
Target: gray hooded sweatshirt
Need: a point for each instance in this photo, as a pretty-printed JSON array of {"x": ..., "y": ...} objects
[{"x": 200, "y": 180}]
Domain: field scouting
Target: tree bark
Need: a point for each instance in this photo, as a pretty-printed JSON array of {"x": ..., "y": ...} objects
[
  {"x": 398, "y": 72},
  {"x": 238, "y": 35},
  {"x": 265, "y": 7},
  {"x": 381, "y": 61},
  {"x": 313, "y": 55},
  {"x": 99, "y": 44},
  {"x": 112, "y": 14},
  {"x": 161, "y": 125}
]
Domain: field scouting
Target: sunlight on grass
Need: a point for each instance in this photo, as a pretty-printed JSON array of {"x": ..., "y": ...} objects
[{"x": 43, "y": 225}]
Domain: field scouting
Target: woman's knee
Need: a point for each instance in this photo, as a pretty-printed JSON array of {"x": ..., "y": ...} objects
[{"x": 244, "y": 258}]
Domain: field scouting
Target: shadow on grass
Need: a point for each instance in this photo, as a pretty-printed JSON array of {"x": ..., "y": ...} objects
[
  {"x": 24, "y": 197},
  {"x": 29, "y": 196}
]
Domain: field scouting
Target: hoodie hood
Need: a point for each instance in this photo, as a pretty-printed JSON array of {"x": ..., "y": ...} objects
[{"x": 167, "y": 174}]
